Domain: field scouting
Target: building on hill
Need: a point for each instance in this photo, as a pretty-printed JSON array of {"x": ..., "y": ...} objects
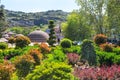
[{"x": 38, "y": 36}]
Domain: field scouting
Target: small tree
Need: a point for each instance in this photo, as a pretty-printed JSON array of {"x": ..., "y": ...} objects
[
  {"x": 52, "y": 38},
  {"x": 88, "y": 52}
]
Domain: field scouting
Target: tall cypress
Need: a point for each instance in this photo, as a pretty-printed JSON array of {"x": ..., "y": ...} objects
[
  {"x": 52, "y": 38},
  {"x": 2, "y": 19}
]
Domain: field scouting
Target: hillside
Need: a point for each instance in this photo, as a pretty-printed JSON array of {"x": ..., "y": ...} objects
[{"x": 17, "y": 18}]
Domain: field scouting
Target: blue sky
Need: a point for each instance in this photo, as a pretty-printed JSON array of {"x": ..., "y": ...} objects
[{"x": 40, "y": 5}]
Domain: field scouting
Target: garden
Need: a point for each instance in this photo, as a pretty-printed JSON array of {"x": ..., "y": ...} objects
[{"x": 92, "y": 60}]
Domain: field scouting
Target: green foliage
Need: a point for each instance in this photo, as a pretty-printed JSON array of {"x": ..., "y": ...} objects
[
  {"x": 51, "y": 71},
  {"x": 66, "y": 43},
  {"x": 100, "y": 39},
  {"x": 52, "y": 37},
  {"x": 116, "y": 50},
  {"x": 117, "y": 59},
  {"x": 22, "y": 41},
  {"x": 23, "y": 65},
  {"x": 56, "y": 56},
  {"x": 77, "y": 27},
  {"x": 93, "y": 11},
  {"x": 88, "y": 52},
  {"x": 113, "y": 9},
  {"x": 3, "y": 45},
  {"x": 73, "y": 49},
  {"x": 21, "y": 30},
  {"x": 106, "y": 58},
  {"x": 6, "y": 70}
]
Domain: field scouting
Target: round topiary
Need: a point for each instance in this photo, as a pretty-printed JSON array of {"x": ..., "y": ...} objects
[
  {"x": 66, "y": 43},
  {"x": 3, "y": 45},
  {"x": 100, "y": 39}
]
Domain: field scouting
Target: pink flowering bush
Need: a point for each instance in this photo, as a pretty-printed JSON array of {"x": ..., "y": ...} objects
[
  {"x": 103, "y": 73},
  {"x": 73, "y": 58}
]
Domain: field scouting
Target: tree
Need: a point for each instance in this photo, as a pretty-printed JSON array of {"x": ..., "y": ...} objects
[
  {"x": 2, "y": 19},
  {"x": 52, "y": 38},
  {"x": 96, "y": 9},
  {"x": 113, "y": 10},
  {"x": 77, "y": 26}
]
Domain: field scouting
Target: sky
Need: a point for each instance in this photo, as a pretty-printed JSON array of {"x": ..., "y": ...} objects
[{"x": 39, "y": 5}]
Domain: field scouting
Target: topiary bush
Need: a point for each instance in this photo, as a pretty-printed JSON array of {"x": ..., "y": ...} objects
[
  {"x": 106, "y": 47},
  {"x": 23, "y": 65},
  {"x": 52, "y": 38},
  {"x": 88, "y": 52},
  {"x": 6, "y": 70},
  {"x": 37, "y": 56},
  {"x": 22, "y": 41},
  {"x": 66, "y": 43},
  {"x": 51, "y": 71},
  {"x": 3, "y": 45},
  {"x": 100, "y": 39}
]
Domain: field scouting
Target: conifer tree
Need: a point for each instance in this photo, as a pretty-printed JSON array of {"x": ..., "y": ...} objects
[{"x": 52, "y": 38}]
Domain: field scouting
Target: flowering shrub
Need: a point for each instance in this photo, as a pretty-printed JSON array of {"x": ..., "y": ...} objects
[
  {"x": 6, "y": 70},
  {"x": 37, "y": 56},
  {"x": 103, "y": 73},
  {"x": 44, "y": 48},
  {"x": 106, "y": 47},
  {"x": 100, "y": 39},
  {"x": 72, "y": 58}
]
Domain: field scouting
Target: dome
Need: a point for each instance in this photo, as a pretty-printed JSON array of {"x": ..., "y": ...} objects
[{"x": 38, "y": 36}]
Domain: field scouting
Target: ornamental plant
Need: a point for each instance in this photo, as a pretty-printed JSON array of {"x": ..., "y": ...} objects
[
  {"x": 52, "y": 38},
  {"x": 51, "y": 71},
  {"x": 96, "y": 73},
  {"x": 6, "y": 70},
  {"x": 22, "y": 41},
  {"x": 37, "y": 56},
  {"x": 44, "y": 48},
  {"x": 66, "y": 43},
  {"x": 106, "y": 47},
  {"x": 24, "y": 65},
  {"x": 88, "y": 52},
  {"x": 73, "y": 58},
  {"x": 100, "y": 39}
]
